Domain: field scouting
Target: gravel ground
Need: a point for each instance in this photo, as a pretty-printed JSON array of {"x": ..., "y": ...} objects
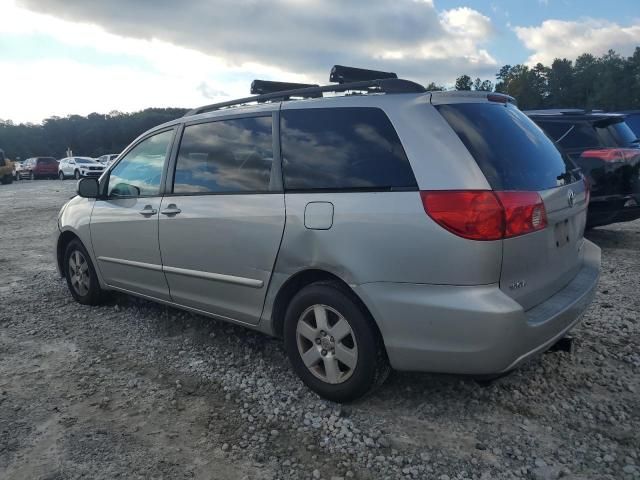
[{"x": 137, "y": 390}]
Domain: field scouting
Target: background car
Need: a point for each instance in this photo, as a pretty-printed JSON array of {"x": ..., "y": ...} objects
[
  {"x": 38, "y": 167},
  {"x": 6, "y": 169},
  {"x": 606, "y": 149},
  {"x": 78, "y": 167},
  {"x": 108, "y": 159},
  {"x": 17, "y": 166}
]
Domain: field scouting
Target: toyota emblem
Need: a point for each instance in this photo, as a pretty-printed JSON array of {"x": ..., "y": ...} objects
[{"x": 571, "y": 197}]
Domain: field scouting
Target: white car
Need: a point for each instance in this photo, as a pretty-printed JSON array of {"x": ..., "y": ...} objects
[
  {"x": 78, "y": 167},
  {"x": 108, "y": 159}
]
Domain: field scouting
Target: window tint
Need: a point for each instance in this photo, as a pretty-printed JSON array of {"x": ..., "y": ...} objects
[
  {"x": 140, "y": 171},
  {"x": 512, "y": 152},
  {"x": 633, "y": 120},
  {"x": 615, "y": 134},
  {"x": 342, "y": 148},
  {"x": 225, "y": 156}
]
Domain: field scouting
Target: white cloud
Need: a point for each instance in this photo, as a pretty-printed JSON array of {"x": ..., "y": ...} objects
[
  {"x": 198, "y": 51},
  {"x": 569, "y": 39}
]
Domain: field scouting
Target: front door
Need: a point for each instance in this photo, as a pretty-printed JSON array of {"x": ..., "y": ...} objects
[
  {"x": 221, "y": 225},
  {"x": 124, "y": 226}
]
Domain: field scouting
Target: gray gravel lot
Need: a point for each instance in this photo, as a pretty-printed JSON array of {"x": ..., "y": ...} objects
[{"x": 136, "y": 390}]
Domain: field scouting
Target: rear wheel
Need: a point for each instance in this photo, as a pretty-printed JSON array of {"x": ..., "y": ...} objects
[
  {"x": 61, "y": 175},
  {"x": 332, "y": 344},
  {"x": 81, "y": 275},
  {"x": 6, "y": 179},
  {"x": 32, "y": 176},
  {"x": 77, "y": 174}
]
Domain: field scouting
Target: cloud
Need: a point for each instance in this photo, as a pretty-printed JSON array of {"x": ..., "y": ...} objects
[
  {"x": 410, "y": 36},
  {"x": 569, "y": 39}
]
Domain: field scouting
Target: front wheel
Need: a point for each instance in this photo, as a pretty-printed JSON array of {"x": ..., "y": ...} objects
[
  {"x": 77, "y": 174},
  {"x": 81, "y": 275},
  {"x": 332, "y": 343},
  {"x": 32, "y": 176}
]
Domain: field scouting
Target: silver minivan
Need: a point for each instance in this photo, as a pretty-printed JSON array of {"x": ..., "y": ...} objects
[{"x": 370, "y": 224}]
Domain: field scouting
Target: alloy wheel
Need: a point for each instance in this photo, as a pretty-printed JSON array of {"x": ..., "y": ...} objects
[
  {"x": 326, "y": 344},
  {"x": 79, "y": 273}
]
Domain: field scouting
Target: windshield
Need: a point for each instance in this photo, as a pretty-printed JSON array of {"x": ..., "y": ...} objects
[
  {"x": 84, "y": 160},
  {"x": 512, "y": 152}
]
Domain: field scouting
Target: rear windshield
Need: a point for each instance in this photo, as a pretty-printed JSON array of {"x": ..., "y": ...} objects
[
  {"x": 46, "y": 161},
  {"x": 84, "y": 160},
  {"x": 512, "y": 152},
  {"x": 583, "y": 134}
]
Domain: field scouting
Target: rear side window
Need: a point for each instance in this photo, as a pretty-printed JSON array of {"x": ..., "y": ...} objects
[
  {"x": 512, "y": 152},
  {"x": 225, "y": 156},
  {"x": 342, "y": 149},
  {"x": 633, "y": 121}
]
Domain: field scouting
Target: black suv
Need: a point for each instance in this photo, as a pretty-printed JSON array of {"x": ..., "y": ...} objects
[{"x": 607, "y": 151}]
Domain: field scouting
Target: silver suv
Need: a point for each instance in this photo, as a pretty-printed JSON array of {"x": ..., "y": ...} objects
[{"x": 384, "y": 227}]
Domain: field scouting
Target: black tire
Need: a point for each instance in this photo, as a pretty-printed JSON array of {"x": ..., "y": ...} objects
[
  {"x": 61, "y": 175},
  {"x": 76, "y": 174},
  {"x": 6, "y": 179},
  {"x": 372, "y": 366},
  {"x": 94, "y": 295},
  {"x": 32, "y": 176}
]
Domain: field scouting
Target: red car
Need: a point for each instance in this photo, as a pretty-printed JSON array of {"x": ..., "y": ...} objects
[{"x": 38, "y": 167}]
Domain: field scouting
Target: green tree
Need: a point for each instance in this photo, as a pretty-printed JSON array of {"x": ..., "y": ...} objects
[{"x": 464, "y": 82}]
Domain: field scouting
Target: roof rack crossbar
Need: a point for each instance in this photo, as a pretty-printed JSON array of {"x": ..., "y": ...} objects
[
  {"x": 388, "y": 85},
  {"x": 261, "y": 87}
]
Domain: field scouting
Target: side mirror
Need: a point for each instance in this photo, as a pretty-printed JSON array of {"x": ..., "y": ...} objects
[{"x": 88, "y": 188}]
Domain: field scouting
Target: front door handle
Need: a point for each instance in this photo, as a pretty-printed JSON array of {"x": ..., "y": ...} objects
[
  {"x": 171, "y": 209},
  {"x": 148, "y": 211}
]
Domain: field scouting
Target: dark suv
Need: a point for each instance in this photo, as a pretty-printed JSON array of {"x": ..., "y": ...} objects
[
  {"x": 39, "y": 167},
  {"x": 607, "y": 151}
]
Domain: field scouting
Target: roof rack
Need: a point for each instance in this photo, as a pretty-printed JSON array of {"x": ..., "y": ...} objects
[
  {"x": 342, "y": 74},
  {"x": 261, "y": 87},
  {"x": 386, "y": 85}
]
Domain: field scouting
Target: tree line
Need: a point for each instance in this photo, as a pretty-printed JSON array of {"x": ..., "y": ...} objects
[{"x": 610, "y": 82}]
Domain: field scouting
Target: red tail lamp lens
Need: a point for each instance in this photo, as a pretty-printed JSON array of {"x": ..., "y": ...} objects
[
  {"x": 476, "y": 215},
  {"x": 485, "y": 215},
  {"x": 611, "y": 154}
]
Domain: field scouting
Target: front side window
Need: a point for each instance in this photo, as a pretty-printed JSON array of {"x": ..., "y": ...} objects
[
  {"x": 226, "y": 156},
  {"x": 342, "y": 149},
  {"x": 140, "y": 171}
]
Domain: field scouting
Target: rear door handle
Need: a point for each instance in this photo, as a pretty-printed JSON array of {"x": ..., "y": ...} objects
[
  {"x": 171, "y": 209},
  {"x": 148, "y": 211}
]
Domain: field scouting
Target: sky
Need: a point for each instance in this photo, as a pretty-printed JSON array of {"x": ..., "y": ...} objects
[{"x": 61, "y": 57}]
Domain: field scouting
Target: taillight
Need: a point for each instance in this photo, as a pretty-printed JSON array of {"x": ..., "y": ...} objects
[
  {"x": 524, "y": 212},
  {"x": 484, "y": 214},
  {"x": 611, "y": 154}
]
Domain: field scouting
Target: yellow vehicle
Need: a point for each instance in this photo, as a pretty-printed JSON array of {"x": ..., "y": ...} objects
[{"x": 6, "y": 169}]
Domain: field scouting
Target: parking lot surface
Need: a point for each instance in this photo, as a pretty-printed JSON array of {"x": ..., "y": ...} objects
[{"x": 133, "y": 389}]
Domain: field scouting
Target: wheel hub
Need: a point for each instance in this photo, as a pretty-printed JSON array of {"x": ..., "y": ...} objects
[{"x": 327, "y": 343}]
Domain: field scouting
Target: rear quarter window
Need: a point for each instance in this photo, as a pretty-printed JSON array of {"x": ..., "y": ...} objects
[
  {"x": 512, "y": 152},
  {"x": 342, "y": 149}
]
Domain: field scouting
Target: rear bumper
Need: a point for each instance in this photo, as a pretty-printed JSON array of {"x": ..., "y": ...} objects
[
  {"x": 474, "y": 330},
  {"x": 612, "y": 209}
]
